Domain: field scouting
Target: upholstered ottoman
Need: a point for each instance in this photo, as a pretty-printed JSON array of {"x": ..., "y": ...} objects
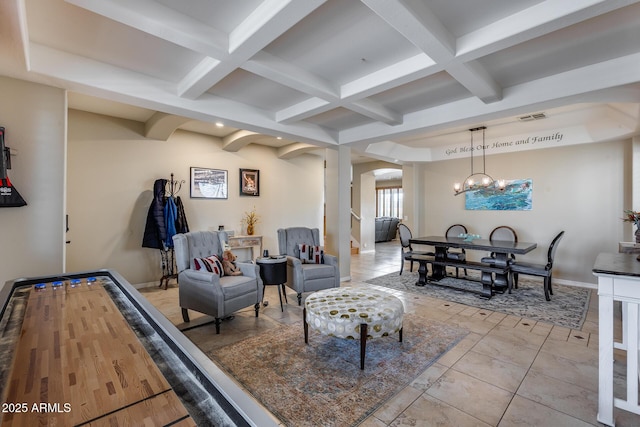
[{"x": 353, "y": 313}]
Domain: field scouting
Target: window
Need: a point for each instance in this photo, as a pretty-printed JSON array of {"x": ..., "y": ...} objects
[{"x": 389, "y": 201}]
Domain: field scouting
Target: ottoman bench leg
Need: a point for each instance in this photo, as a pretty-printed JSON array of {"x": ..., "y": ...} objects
[
  {"x": 306, "y": 326},
  {"x": 363, "y": 343}
]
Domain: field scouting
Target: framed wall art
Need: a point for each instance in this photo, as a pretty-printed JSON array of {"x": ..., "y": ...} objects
[
  {"x": 209, "y": 183},
  {"x": 249, "y": 182},
  {"x": 516, "y": 196}
]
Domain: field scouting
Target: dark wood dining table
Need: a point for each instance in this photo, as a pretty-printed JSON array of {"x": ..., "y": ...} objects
[{"x": 501, "y": 250}]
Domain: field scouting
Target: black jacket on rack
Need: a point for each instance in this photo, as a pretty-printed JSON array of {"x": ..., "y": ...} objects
[{"x": 155, "y": 231}]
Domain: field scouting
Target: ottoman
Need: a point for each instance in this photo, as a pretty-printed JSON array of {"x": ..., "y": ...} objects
[{"x": 353, "y": 313}]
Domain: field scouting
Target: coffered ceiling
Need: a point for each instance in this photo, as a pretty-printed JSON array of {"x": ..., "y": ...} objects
[{"x": 389, "y": 78}]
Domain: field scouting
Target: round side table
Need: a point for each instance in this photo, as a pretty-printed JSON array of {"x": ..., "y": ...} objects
[{"x": 273, "y": 271}]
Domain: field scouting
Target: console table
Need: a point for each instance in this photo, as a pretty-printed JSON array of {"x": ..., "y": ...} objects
[
  {"x": 618, "y": 280},
  {"x": 246, "y": 243}
]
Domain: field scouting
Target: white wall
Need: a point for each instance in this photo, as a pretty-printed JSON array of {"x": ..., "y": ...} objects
[
  {"x": 578, "y": 189},
  {"x": 111, "y": 171},
  {"x": 32, "y": 236}
]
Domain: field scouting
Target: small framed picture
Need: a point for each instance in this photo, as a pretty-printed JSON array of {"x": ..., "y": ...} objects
[
  {"x": 249, "y": 182},
  {"x": 209, "y": 183}
]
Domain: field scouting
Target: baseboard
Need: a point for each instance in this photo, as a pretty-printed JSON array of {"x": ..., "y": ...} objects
[{"x": 575, "y": 283}]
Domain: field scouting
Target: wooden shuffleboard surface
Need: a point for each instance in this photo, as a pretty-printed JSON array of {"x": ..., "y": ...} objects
[{"x": 77, "y": 362}]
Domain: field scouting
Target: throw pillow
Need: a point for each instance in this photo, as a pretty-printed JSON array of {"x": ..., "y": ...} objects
[
  {"x": 211, "y": 264},
  {"x": 311, "y": 254}
]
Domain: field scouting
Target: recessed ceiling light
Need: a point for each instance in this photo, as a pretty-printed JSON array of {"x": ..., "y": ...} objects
[
  {"x": 219, "y": 124},
  {"x": 278, "y": 137}
]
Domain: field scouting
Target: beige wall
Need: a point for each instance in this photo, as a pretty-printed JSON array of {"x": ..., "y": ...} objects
[
  {"x": 111, "y": 171},
  {"x": 32, "y": 236},
  {"x": 578, "y": 189}
]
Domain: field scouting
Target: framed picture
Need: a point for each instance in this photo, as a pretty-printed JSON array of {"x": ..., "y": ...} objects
[
  {"x": 516, "y": 196},
  {"x": 249, "y": 182},
  {"x": 209, "y": 183}
]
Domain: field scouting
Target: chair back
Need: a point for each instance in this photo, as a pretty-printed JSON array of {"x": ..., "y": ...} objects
[
  {"x": 455, "y": 230},
  {"x": 195, "y": 244},
  {"x": 405, "y": 235},
  {"x": 504, "y": 233},
  {"x": 290, "y": 238},
  {"x": 552, "y": 249}
]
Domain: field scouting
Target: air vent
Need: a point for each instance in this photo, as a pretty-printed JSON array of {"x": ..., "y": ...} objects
[{"x": 530, "y": 117}]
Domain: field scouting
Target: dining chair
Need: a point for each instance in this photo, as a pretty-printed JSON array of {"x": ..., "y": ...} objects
[
  {"x": 406, "y": 251},
  {"x": 506, "y": 234},
  {"x": 539, "y": 270},
  {"x": 454, "y": 231}
]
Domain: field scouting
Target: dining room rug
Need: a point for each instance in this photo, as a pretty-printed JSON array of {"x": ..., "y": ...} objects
[
  {"x": 568, "y": 306},
  {"x": 321, "y": 383}
]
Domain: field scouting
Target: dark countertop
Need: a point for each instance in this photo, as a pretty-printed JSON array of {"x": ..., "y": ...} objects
[{"x": 617, "y": 264}]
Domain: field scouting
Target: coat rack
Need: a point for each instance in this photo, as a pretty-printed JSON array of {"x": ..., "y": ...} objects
[{"x": 165, "y": 218}]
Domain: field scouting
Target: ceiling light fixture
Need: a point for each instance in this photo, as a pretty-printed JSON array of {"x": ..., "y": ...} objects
[
  {"x": 219, "y": 124},
  {"x": 477, "y": 180}
]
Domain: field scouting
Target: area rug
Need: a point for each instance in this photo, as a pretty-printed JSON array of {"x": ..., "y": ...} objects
[
  {"x": 568, "y": 306},
  {"x": 321, "y": 383}
]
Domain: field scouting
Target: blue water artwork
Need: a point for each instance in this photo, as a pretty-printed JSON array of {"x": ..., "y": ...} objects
[{"x": 516, "y": 196}]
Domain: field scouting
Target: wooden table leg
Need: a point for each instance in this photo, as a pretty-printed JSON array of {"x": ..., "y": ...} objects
[{"x": 422, "y": 273}]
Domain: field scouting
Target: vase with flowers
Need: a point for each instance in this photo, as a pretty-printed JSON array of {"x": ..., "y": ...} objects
[
  {"x": 633, "y": 216},
  {"x": 250, "y": 219}
]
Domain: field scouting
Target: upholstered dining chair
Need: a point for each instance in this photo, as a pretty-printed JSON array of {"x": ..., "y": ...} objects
[
  {"x": 202, "y": 285},
  {"x": 539, "y": 270},
  {"x": 406, "y": 251},
  {"x": 506, "y": 234},
  {"x": 309, "y": 269},
  {"x": 454, "y": 231}
]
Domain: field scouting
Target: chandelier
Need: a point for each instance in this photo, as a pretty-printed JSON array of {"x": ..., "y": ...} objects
[{"x": 477, "y": 180}]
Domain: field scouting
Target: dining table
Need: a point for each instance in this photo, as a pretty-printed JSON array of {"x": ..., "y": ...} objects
[{"x": 500, "y": 249}]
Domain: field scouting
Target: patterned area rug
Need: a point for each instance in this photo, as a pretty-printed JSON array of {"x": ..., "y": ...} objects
[
  {"x": 321, "y": 383},
  {"x": 568, "y": 306}
]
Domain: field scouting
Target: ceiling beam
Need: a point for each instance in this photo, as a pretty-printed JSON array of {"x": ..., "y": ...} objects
[
  {"x": 294, "y": 150},
  {"x": 266, "y": 23},
  {"x": 548, "y": 92},
  {"x": 161, "y": 126},
  {"x": 162, "y": 22},
  {"x": 239, "y": 139}
]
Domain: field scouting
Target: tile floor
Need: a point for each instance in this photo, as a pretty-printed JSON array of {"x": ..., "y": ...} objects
[{"x": 508, "y": 371}]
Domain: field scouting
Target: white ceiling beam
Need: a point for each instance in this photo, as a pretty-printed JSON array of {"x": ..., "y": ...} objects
[
  {"x": 536, "y": 21},
  {"x": 95, "y": 78},
  {"x": 238, "y": 140},
  {"x": 375, "y": 111},
  {"x": 303, "y": 110},
  {"x": 553, "y": 91},
  {"x": 294, "y": 150},
  {"x": 418, "y": 25},
  {"x": 160, "y": 21},
  {"x": 161, "y": 126},
  {"x": 287, "y": 74},
  {"x": 275, "y": 69},
  {"x": 266, "y": 23},
  {"x": 421, "y": 27},
  {"x": 394, "y": 75},
  {"x": 473, "y": 76}
]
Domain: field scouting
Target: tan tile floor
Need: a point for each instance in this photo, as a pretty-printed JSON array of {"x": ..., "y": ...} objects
[{"x": 508, "y": 371}]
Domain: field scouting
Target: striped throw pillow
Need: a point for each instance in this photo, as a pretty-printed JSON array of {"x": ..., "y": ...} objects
[
  {"x": 211, "y": 264},
  {"x": 311, "y": 254}
]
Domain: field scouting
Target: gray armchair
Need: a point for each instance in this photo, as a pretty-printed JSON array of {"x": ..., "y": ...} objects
[
  {"x": 302, "y": 277},
  {"x": 207, "y": 292}
]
